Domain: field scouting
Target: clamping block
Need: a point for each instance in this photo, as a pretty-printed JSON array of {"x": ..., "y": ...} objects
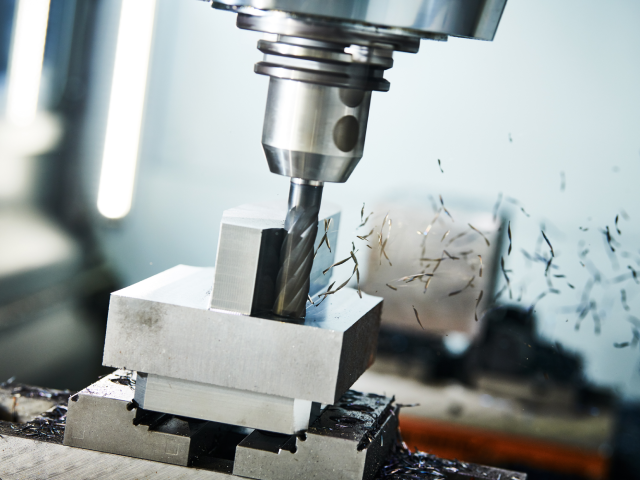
[
  {"x": 102, "y": 417},
  {"x": 348, "y": 441}
]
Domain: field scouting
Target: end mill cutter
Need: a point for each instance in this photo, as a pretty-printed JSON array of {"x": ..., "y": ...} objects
[
  {"x": 324, "y": 60},
  {"x": 296, "y": 256}
]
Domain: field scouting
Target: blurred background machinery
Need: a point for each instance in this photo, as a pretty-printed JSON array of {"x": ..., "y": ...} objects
[{"x": 519, "y": 388}]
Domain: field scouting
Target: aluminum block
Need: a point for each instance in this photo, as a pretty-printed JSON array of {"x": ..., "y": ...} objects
[
  {"x": 164, "y": 326},
  {"x": 102, "y": 417},
  {"x": 348, "y": 441},
  {"x": 225, "y": 405},
  {"x": 248, "y": 256}
]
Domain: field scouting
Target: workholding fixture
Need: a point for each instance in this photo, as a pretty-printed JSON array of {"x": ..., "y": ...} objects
[{"x": 217, "y": 371}]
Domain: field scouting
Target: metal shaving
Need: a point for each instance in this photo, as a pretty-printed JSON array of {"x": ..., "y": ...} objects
[
  {"x": 357, "y": 271},
  {"x": 403, "y": 464},
  {"x": 125, "y": 380},
  {"x": 633, "y": 273},
  {"x": 428, "y": 229},
  {"x": 324, "y": 272},
  {"x": 548, "y": 243},
  {"x": 324, "y": 295},
  {"x": 411, "y": 278},
  {"x": 469, "y": 284},
  {"x": 426, "y": 285},
  {"x": 482, "y": 234},
  {"x": 445, "y": 209},
  {"x": 325, "y": 237},
  {"x": 608, "y": 236},
  {"x": 623, "y": 299},
  {"x": 417, "y": 317},
  {"x": 516, "y": 202},
  {"x": 451, "y": 240},
  {"x": 364, "y": 237},
  {"x": 450, "y": 256},
  {"x": 384, "y": 244},
  {"x": 504, "y": 271},
  {"x": 546, "y": 270},
  {"x": 50, "y": 425},
  {"x": 497, "y": 207},
  {"x": 478, "y": 303},
  {"x": 363, "y": 222},
  {"x": 36, "y": 392}
]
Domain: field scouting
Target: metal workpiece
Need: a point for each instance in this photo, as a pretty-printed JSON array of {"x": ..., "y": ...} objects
[
  {"x": 224, "y": 405},
  {"x": 248, "y": 258},
  {"x": 314, "y": 132},
  {"x": 103, "y": 417},
  {"x": 297, "y": 252},
  {"x": 421, "y": 18},
  {"x": 349, "y": 440},
  {"x": 163, "y": 325}
]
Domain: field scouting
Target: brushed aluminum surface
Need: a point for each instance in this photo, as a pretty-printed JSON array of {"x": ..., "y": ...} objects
[
  {"x": 101, "y": 417},
  {"x": 163, "y": 325},
  {"x": 220, "y": 404},
  {"x": 348, "y": 441}
]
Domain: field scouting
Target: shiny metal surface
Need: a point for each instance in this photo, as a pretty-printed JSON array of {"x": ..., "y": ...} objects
[
  {"x": 297, "y": 252},
  {"x": 461, "y": 18},
  {"x": 302, "y": 124},
  {"x": 348, "y": 441},
  {"x": 101, "y": 417},
  {"x": 220, "y": 404},
  {"x": 317, "y": 54},
  {"x": 326, "y": 30},
  {"x": 248, "y": 260},
  {"x": 163, "y": 325},
  {"x": 302, "y": 181},
  {"x": 286, "y": 47}
]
